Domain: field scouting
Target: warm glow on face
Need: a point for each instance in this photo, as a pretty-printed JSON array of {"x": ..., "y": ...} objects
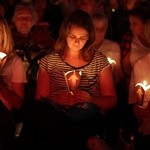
[{"x": 77, "y": 38}]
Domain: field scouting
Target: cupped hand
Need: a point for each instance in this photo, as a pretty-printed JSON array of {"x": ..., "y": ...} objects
[
  {"x": 69, "y": 99},
  {"x": 82, "y": 95},
  {"x": 140, "y": 112},
  {"x": 65, "y": 98}
]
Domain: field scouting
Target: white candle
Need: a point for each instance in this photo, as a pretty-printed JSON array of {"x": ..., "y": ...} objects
[
  {"x": 143, "y": 93},
  {"x": 2, "y": 55},
  {"x": 144, "y": 85},
  {"x": 112, "y": 62},
  {"x": 72, "y": 79}
]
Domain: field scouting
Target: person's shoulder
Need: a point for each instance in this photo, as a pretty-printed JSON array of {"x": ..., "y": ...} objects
[
  {"x": 99, "y": 55},
  {"x": 15, "y": 57},
  {"x": 100, "y": 59},
  {"x": 52, "y": 55},
  {"x": 145, "y": 58},
  {"x": 143, "y": 61},
  {"x": 111, "y": 43}
]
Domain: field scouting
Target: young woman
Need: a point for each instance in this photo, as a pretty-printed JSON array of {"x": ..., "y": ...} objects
[
  {"x": 74, "y": 85},
  {"x": 12, "y": 79}
]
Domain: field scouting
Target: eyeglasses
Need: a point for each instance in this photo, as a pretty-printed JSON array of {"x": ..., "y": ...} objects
[{"x": 81, "y": 39}]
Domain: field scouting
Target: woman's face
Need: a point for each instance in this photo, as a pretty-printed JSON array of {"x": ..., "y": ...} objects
[
  {"x": 76, "y": 38},
  {"x": 137, "y": 26}
]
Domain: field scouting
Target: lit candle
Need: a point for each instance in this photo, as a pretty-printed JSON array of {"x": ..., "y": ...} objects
[
  {"x": 143, "y": 95},
  {"x": 2, "y": 55},
  {"x": 111, "y": 61},
  {"x": 143, "y": 85},
  {"x": 72, "y": 79},
  {"x": 2, "y": 60}
]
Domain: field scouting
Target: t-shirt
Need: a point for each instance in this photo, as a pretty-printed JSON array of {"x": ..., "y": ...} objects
[
  {"x": 13, "y": 71},
  {"x": 89, "y": 80}
]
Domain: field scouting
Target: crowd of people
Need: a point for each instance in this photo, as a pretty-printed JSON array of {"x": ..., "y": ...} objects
[{"x": 73, "y": 73}]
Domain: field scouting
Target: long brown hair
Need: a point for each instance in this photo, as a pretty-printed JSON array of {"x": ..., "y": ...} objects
[{"x": 81, "y": 19}]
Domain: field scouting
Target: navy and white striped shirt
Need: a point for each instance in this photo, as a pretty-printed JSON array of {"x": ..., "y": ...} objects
[{"x": 89, "y": 81}]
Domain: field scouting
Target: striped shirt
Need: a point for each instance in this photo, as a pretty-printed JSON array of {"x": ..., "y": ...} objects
[{"x": 89, "y": 81}]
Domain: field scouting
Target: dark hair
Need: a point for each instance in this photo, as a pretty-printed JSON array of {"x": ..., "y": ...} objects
[
  {"x": 82, "y": 19},
  {"x": 143, "y": 13}
]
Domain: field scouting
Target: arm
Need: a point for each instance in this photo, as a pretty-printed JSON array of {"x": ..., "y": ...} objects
[
  {"x": 109, "y": 98},
  {"x": 12, "y": 81},
  {"x": 43, "y": 85},
  {"x": 14, "y": 97}
]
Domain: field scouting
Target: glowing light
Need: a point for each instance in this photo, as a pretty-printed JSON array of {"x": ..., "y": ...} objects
[
  {"x": 111, "y": 61},
  {"x": 143, "y": 93},
  {"x": 2, "y": 55},
  {"x": 144, "y": 85},
  {"x": 72, "y": 79}
]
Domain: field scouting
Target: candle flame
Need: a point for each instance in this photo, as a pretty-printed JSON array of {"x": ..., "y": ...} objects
[
  {"x": 111, "y": 61},
  {"x": 2, "y": 55},
  {"x": 143, "y": 85}
]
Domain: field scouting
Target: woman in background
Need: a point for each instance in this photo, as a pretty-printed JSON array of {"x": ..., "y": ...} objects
[{"x": 12, "y": 79}]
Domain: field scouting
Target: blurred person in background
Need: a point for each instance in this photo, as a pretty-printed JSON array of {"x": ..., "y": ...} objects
[
  {"x": 133, "y": 47},
  {"x": 108, "y": 47},
  {"x": 139, "y": 98},
  {"x": 112, "y": 51},
  {"x": 12, "y": 83},
  {"x": 31, "y": 41}
]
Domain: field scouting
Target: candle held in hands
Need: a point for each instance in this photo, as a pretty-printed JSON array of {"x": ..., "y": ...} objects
[
  {"x": 2, "y": 55},
  {"x": 143, "y": 93}
]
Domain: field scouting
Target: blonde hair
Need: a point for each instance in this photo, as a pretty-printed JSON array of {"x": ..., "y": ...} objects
[{"x": 7, "y": 43}]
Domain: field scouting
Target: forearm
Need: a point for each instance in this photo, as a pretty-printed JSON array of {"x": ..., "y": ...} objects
[
  {"x": 10, "y": 97},
  {"x": 105, "y": 103}
]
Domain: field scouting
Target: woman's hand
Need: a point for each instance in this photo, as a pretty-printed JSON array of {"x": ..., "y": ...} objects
[
  {"x": 140, "y": 112},
  {"x": 69, "y": 99},
  {"x": 82, "y": 96}
]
